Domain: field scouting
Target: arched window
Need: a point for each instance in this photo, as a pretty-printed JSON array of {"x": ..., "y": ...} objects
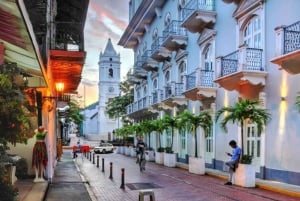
[
  {"x": 138, "y": 94},
  {"x": 208, "y": 61},
  {"x": 167, "y": 78},
  {"x": 154, "y": 34},
  {"x": 167, "y": 19},
  {"x": 145, "y": 91},
  {"x": 154, "y": 84},
  {"x": 252, "y": 33},
  {"x": 110, "y": 73},
  {"x": 181, "y": 72}
]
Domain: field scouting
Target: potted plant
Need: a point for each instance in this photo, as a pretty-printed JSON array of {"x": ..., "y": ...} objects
[
  {"x": 241, "y": 112},
  {"x": 159, "y": 127},
  {"x": 190, "y": 122},
  {"x": 169, "y": 155},
  {"x": 147, "y": 127},
  {"x": 15, "y": 124}
]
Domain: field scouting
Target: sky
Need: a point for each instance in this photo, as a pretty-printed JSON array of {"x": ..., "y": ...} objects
[{"x": 105, "y": 19}]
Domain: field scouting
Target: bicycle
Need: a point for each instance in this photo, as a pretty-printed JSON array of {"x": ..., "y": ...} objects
[{"x": 142, "y": 161}]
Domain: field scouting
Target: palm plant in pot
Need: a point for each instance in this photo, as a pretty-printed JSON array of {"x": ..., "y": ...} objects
[
  {"x": 169, "y": 155},
  {"x": 242, "y": 112},
  {"x": 159, "y": 127},
  {"x": 147, "y": 127},
  {"x": 190, "y": 122}
]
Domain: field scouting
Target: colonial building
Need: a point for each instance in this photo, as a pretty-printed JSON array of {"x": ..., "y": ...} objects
[
  {"x": 98, "y": 125},
  {"x": 45, "y": 38},
  {"x": 204, "y": 55}
]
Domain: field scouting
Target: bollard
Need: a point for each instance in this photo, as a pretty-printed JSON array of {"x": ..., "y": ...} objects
[
  {"x": 111, "y": 169},
  {"x": 97, "y": 161},
  {"x": 90, "y": 156},
  {"x": 122, "y": 178},
  {"x": 102, "y": 164},
  {"x": 93, "y": 158}
]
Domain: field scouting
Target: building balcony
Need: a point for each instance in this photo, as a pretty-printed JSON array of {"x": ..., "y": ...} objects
[
  {"x": 199, "y": 14},
  {"x": 242, "y": 71},
  {"x": 172, "y": 95},
  {"x": 139, "y": 108},
  {"x": 175, "y": 36},
  {"x": 160, "y": 53},
  {"x": 288, "y": 48},
  {"x": 131, "y": 77},
  {"x": 200, "y": 86},
  {"x": 149, "y": 64}
]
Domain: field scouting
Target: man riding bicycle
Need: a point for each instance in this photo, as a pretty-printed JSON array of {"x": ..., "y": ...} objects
[{"x": 140, "y": 151}]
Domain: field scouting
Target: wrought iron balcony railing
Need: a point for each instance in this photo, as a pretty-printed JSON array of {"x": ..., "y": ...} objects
[
  {"x": 157, "y": 43},
  {"x": 173, "y": 90},
  {"x": 174, "y": 28},
  {"x": 193, "y": 5},
  {"x": 244, "y": 59},
  {"x": 291, "y": 38},
  {"x": 138, "y": 105},
  {"x": 201, "y": 78}
]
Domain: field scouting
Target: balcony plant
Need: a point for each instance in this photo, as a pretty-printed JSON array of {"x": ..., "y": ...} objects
[
  {"x": 245, "y": 110},
  {"x": 191, "y": 122}
]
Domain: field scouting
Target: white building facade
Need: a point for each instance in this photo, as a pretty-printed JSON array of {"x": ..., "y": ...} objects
[{"x": 207, "y": 54}]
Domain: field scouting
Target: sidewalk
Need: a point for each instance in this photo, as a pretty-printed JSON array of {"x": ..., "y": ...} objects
[{"x": 80, "y": 179}]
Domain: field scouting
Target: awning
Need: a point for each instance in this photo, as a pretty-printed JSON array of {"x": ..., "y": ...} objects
[
  {"x": 17, "y": 36},
  {"x": 66, "y": 67}
]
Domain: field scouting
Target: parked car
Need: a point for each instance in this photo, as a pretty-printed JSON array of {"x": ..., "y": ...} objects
[{"x": 104, "y": 148}]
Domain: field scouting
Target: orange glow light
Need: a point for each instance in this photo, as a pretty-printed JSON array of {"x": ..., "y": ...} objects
[{"x": 59, "y": 86}]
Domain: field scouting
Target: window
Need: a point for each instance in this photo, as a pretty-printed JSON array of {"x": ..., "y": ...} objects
[
  {"x": 154, "y": 84},
  {"x": 252, "y": 33},
  {"x": 208, "y": 59},
  {"x": 167, "y": 78},
  {"x": 145, "y": 91},
  {"x": 110, "y": 73},
  {"x": 154, "y": 34},
  {"x": 167, "y": 19},
  {"x": 182, "y": 72}
]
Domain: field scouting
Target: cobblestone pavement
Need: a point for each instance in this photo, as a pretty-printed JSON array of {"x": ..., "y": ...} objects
[{"x": 172, "y": 184}]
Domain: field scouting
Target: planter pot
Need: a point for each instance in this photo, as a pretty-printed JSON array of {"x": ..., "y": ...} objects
[
  {"x": 133, "y": 152},
  {"x": 169, "y": 160},
  {"x": 197, "y": 165},
  {"x": 245, "y": 175},
  {"x": 121, "y": 150},
  {"x": 118, "y": 150},
  {"x": 150, "y": 156},
  {"x": 159, "y": 157},
  {"x": 127, "y": 151}
]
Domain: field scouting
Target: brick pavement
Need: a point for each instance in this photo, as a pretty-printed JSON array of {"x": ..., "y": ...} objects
[{"x": 175, "y": 184}]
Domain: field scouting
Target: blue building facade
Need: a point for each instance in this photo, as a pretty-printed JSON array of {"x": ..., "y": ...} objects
[{"x": 202, "y": 55}]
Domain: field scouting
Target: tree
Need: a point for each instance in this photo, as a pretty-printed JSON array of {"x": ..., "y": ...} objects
[
  {"x": 242, "y": 111},
  {"x": 190, "y": 122},
  {"x": 172, "y": 123},
  {"x": 159, "y": 127},
  {"x": 15, "y": 125},
  {"x": 116, "y": 107},
  {"x": 74, "y": 112},
  {"x": 147, "y": 128},
  {"x": 297, "y": 103}
]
